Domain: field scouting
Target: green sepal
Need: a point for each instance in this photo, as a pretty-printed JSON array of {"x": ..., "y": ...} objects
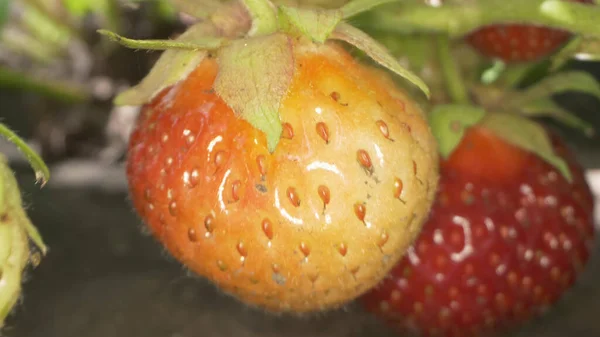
[
  {"x": 571, "y": 81},
  {"x": 525, "y": 134},
  {"x": 580, "y": 48},
  {"x": 254, "y": 76},
  {"x": 15, "y": 231},
  {"x": 186, "y": 42},
  {"x": 448, "y": 123},
  {"x": 377, "y": 52},
  {"x": 315, "y": 24},
  {"x": 264, "y": 17},
  {"x": 172, "y": 66},
  {"x": 356, "y": 7},
  {"x": 547, "y": 107},
  {"x": 42, "y": 173}
]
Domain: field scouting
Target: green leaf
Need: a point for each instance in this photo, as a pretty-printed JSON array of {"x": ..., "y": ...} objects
[
  {"x": 527, "y": 135},
  {"x": 577, "y": 81},
  {"x": 448, "y": 124},
  {"x": 264, "y": 18},
  {"x": 42, "y": 173},
  {"x": 197, "y": 43},
  {"x": 316, "y": 24},
  {"x": 172, "y": 66},
  {"x": 547, "y": 107},
  {"x": 377, "y": 52},
  {"x": 581, "y": 48},
  {"x": 254, "y": 75}
]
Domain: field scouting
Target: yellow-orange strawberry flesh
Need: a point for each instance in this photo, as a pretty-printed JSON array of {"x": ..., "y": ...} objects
[{"x": 310, "y": 226}]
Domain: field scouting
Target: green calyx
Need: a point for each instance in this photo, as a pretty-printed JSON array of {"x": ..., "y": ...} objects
[
  {"x": 449, "y": 123},
  {"x": 16, "y": 229},
  {"x": 253, "y": 41}
]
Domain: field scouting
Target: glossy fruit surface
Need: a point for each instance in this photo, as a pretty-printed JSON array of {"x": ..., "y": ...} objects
[
  {"x": 310, "y": 226},
  {"x": 519, "y": 42},
  {"x": 507, "y": 236}
]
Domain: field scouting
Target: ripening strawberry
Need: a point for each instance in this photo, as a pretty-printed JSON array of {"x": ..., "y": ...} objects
[
  {"x": 310, "y": 223},
  {"x": 519, "y": 42},
  {"x": 507, "y": 236}
]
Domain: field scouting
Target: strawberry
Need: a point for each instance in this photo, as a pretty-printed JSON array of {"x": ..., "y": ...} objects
[
  {"x": 519, "y": 42},
  {"x": 507, "y": 236},
  {"x": 301, "y": 218}
]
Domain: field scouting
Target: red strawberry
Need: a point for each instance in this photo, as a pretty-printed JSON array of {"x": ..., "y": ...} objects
[
  {"x": 508, "y": 234},
  {"x": 313, "y": 224},
  {"x": 519, "y": 42}
]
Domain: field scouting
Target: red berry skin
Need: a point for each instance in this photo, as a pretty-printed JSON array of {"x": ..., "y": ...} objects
[
  {"x": 519, "y": 42},
  {"x": 309, "y": 226},
  {"x": 494, "y": 252}
]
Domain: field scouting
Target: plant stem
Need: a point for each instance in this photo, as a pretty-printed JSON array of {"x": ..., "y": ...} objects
[
  {"x": 458, "y": 20},
  {"x": 452, "y": 76},
  {"x": 61, "y": 91},
  {"x": 42, "y": 173}
]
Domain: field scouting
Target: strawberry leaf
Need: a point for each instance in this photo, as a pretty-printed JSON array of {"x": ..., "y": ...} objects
[
  {"x": 264, "y": 18},
  {"x": 448, "y": 124},
  {"x": 377, "y": 52},
  {"x": 316, "y": 24},
  {"x": 172, "y": 66},
  {"x": 579, "y": 81},
  {"x": 254, "y": 75},
  {"x": 581, "y": 48},
  {"x": 527, "y": 135},
  {"x": 547, "y": 107}
]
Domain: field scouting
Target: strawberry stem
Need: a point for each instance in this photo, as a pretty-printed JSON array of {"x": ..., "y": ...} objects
[
  {"x": 42, "y": 173},
  {"x": 452, "y": 76}
]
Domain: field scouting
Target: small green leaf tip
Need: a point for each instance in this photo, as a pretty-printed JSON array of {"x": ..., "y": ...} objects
[
  {"x": 448, "y": 124},
  {"x": 173, "y": 65},
  {"x": 527, "y": 135},
  {"x": 264, "y": 17},
  {"x": 198, "y": 43},
  {"x": 42, "y": 173},
  {"x": 254, "y": 75},
  {"x": 356, "y": 7},
  {"x": 378, "y": 53}
]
